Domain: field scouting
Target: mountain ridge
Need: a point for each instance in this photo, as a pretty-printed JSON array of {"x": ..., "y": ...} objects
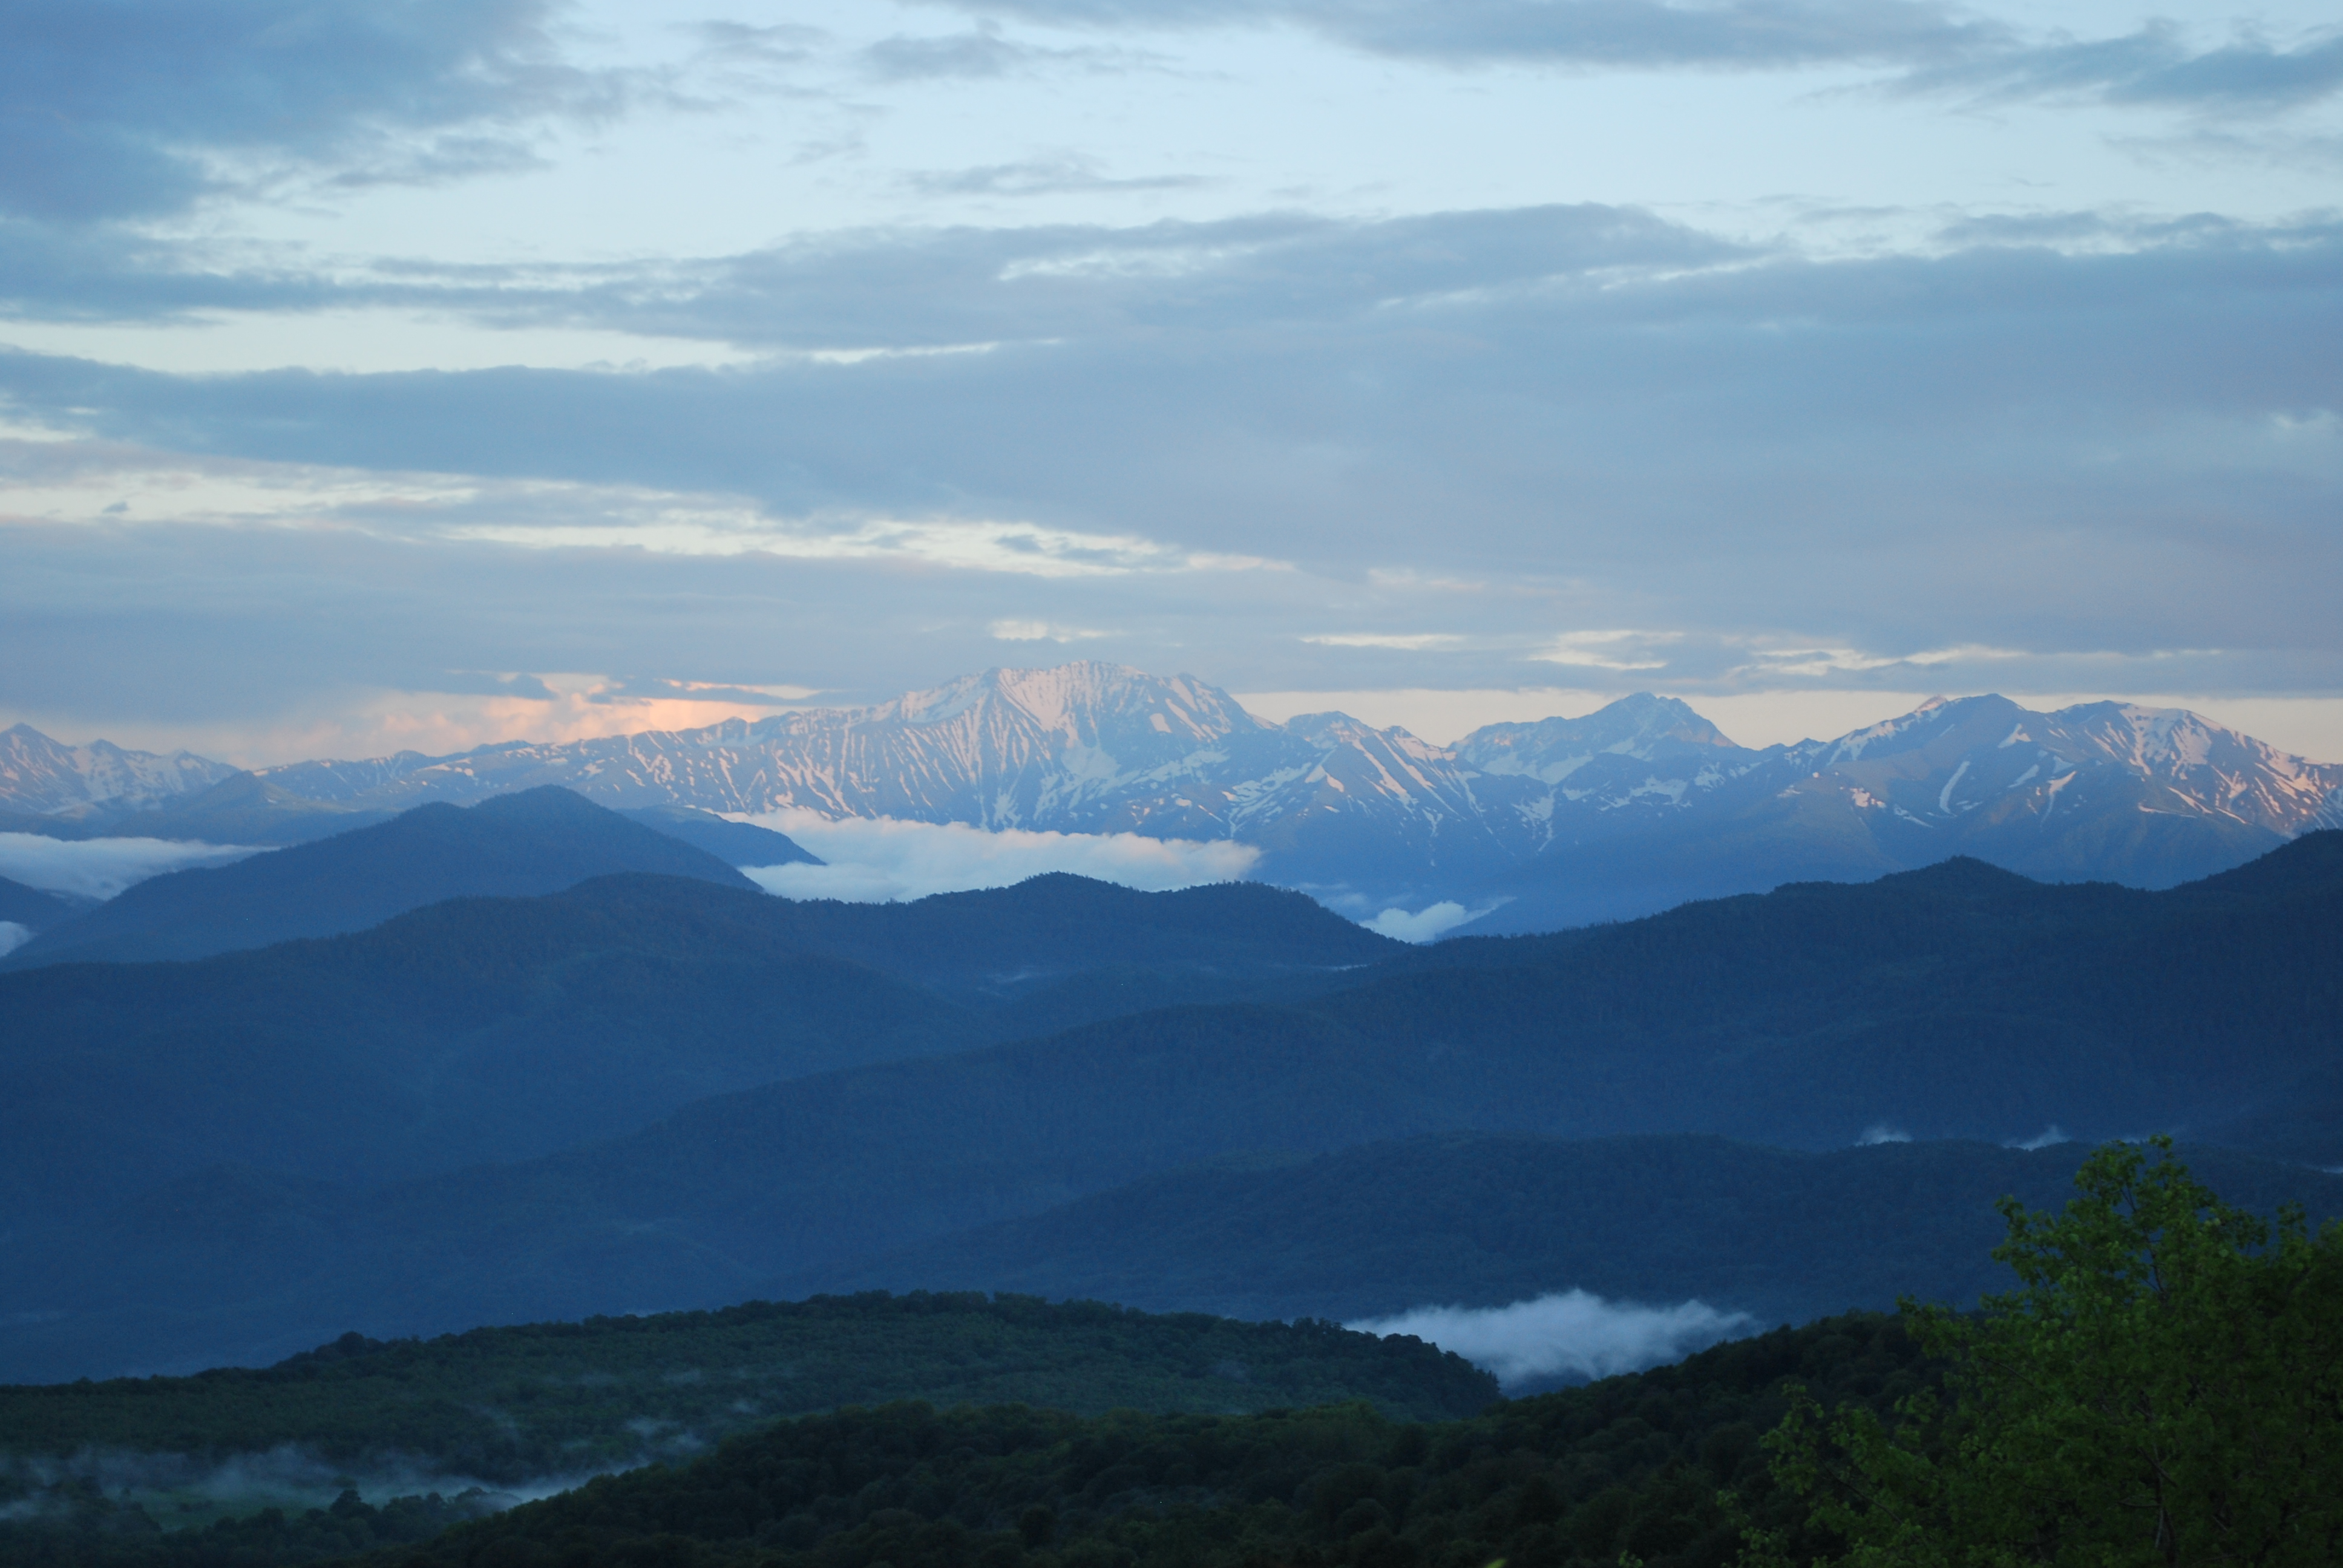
[
  {"x": 533, "y": 841},
  {"x": 1954, "y": 1001},
  {"x": 1638, "y": 806}
]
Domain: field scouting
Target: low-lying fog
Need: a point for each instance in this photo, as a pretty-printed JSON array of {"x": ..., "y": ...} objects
[
  {"x": 183, "y": 1490},
  {"x": 873, "y": 859},
  {"x": 870, "y": 859},
  {"x": 1569, "y": 1337},
  {"x": 876, "y": 860},
  {"x": 101, "y": 867}
]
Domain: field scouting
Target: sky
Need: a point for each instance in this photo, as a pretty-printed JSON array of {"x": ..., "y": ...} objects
[{"x": 423, "y": 374}]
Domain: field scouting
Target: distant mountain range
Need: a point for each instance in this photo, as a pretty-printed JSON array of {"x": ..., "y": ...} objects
[
  {"x": 1635, "y": 807},
  {"x": 652, "y": 1092},
  {"x": 536, "y": 842},
  {"x": 1486, "y": 1219}
]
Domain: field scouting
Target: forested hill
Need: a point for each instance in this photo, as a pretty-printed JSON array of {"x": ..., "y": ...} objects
[
  {"x": 30, "y": 907},
  {"x": 1484, "y": 1220},
  {"x": 479, "y": 1029},
  {"x": 1632, "y": 1465},
  {"x": 1953, "y": 1003},
  {"x": 514, "y": 1406},
  {"x": 538, "y": 841}
]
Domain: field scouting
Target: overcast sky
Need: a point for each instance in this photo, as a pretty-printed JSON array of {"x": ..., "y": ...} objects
[{"x": 429, "y": 372}]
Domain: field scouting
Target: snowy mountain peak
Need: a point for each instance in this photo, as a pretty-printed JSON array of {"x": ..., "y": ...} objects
[
  {"x": 1644, "y": 727},
  {"x": 1079, "y": 701},
  {"x": 2202, "y": 765},
  {"x": 48, "y": 777},
  {"x": 2157, "y": 739}
]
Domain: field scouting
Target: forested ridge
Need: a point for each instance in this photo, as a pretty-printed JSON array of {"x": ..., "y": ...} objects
[
  {"x": 1633, "y": 1463},
  {"x": 1959, "y": 1001},
  {"x": 507, "y": 1404}
]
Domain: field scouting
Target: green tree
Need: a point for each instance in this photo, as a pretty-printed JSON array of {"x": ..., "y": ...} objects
[{"x": 2164, "y": 1387}]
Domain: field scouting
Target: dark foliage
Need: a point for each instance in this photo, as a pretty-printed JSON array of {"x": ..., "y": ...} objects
[
  {"x": 507, "y": 1404},
  {"x": 1631, "y": 1464},
  {"x": 76, "y": 1525},
  {"x": 1489, "y": 1219}
]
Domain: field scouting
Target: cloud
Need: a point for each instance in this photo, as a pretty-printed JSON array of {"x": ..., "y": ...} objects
[
  {"x": 636, "y": 690},
  {"x": 879, "y": 859},
  {"x": 1040, "y": 631},
  {"x": 1040, "y": 176},
  {"x": 1572, "y": 1334},
  {"x": 291, "y": 1476},
  {"x": 2157, "y": 67},
  {"x": 860, "y": 292},
  {"x": 101, "y": 867},
  {"x": 487, "y": 683},
  {"x": 2045, "y": 1139},
  {"x": 981, "y": 53},
  {"x": 1614, "y": 650},
  {"x": 1424, "y": 925},
  {"x": 1880, "y": 1132},
  {"x": 1927, "y": 49},
  {"x": 12, "y": 936},
  {"x": 139, "y": 107},
  {"x": 1638, "y": 33},
  {"x": 2107, "y": 462},
  {"x": 1408, "y": 642}
]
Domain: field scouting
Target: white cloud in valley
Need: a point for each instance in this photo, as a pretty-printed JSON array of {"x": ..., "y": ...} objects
[
  {"x": 1424, "y": 925},
  {"x": 101, "y": 867},
  {"x": 1569, "y": 1334},
  {"x": 875, "y": 860}
]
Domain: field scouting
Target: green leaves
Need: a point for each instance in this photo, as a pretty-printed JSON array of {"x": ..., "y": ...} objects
[{"x": 2164, "y": 1387}]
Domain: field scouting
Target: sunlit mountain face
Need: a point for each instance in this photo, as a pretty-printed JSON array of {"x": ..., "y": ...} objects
[{"x": 1530, "y": 826}]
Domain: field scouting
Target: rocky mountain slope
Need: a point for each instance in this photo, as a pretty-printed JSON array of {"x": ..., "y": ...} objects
[
  {"x": 1634, "y": 807},
  {"x": 40, "y": 777}
]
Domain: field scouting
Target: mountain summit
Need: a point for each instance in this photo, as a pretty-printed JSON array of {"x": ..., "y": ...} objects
[{"x": 1638, "y": 806}]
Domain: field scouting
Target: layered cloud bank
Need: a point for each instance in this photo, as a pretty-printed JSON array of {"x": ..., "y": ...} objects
[
  {"x": 1570, "y": 1335},
  {"x": 876, "y": 860},
  {"x": 101, "y": 867},
  {"x": 1506, "y": 364}
]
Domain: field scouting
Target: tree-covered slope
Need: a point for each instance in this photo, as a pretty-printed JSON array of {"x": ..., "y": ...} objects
[
  {"x": 470, "y": 1031},
  {"x": 479, "y": 1029},
  {"x": 1631, "y": 1465},
  {"x": 734, "y": 843},
  {"x": 1957, "y": 1001},
  {"x": 513, "y": 1406},
  {"x": 31, "y": 907},
  {"x": 1485, "y": 1220},
  {"x": 538, "y": 841}
]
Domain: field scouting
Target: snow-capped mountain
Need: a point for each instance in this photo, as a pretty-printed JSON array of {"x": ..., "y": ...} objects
[
  {"x": 1085, "y": 748},
  {"x": 40, "y": 777},
  {"x": 1631, "y": 808},
  {"x": 2149, "y": 797}
]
